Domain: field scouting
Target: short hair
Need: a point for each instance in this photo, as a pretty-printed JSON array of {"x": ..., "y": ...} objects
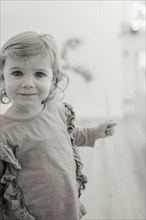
[{"x": 28, "y": 44}]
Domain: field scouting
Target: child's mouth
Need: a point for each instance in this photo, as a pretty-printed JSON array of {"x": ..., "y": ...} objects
[{"x": 28, "y": 94}]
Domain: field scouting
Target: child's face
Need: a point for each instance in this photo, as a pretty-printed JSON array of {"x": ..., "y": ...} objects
[{"x": 28, "y": 82}]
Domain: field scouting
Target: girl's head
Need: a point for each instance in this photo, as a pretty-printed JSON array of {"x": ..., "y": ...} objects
[{"x": 24, "y": 47}]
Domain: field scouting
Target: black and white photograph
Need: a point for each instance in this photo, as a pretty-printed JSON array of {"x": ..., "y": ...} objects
[{"x": 72, "y": 110}]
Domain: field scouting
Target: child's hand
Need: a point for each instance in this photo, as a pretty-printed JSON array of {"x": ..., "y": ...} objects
[{"x": 106, "y": 129}]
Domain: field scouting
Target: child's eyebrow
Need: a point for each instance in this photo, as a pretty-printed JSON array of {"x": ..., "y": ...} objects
[
  {"x": 36, "y": 69},
  {"x": 40, "y": 69},
  {"x": 16, "y": 67}
]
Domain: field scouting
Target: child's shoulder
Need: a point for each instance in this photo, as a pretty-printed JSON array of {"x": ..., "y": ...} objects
[
  {"x": 59, "y": 107},
  {"x": 64, "y": 109}
]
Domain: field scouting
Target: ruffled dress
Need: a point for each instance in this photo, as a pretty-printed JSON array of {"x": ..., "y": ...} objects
[{"x": 40, "y": 167}]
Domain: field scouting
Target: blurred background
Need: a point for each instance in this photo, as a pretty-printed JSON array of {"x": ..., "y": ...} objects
[{"x": 102, "y": 50}]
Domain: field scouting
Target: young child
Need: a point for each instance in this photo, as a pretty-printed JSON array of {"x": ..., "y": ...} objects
[{"x": 40, "y": 167}]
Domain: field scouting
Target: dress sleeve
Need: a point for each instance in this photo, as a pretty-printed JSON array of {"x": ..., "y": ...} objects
[
  {"x": 80, "y": 136},
  {"x": 84, "y": 136}
]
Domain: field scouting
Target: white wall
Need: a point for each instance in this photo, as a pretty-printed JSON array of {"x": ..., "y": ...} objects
[{"x": 97, "y": 24}]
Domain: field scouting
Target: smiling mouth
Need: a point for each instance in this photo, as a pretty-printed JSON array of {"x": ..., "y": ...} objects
[{"x": 28, "y": 94}]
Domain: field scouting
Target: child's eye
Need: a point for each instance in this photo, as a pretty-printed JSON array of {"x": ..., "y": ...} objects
[
  {"x": 39, "y": 74},
  {"x": 17, "y": 73}
]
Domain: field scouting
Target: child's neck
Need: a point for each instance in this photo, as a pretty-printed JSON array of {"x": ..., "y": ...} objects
[{"x": 21, "y": 112}]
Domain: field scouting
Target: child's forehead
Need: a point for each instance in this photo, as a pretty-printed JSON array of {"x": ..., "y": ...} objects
[{"x": 36, "y": 60}]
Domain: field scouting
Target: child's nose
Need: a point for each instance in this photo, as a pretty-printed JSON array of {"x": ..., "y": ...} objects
[{"x": 28, "y": 82}]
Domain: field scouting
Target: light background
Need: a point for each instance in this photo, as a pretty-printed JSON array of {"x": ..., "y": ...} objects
[
  {"x": 98, "y": 25},
  {"x": 116, "y": 58}
]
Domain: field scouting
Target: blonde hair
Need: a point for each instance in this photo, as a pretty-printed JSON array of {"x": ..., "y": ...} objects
[{"x": 27, "y": 44}]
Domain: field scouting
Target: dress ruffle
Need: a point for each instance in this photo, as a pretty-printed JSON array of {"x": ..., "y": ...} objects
[
  {"x": 70, "y": 115},
  {"x": 12, "y": 192}
]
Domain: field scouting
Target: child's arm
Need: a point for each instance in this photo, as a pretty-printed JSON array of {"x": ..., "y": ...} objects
[{"x": 88, "y": 136}]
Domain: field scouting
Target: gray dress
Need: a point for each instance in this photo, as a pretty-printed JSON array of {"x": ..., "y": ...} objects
[{"x": 39, "y": 166}]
